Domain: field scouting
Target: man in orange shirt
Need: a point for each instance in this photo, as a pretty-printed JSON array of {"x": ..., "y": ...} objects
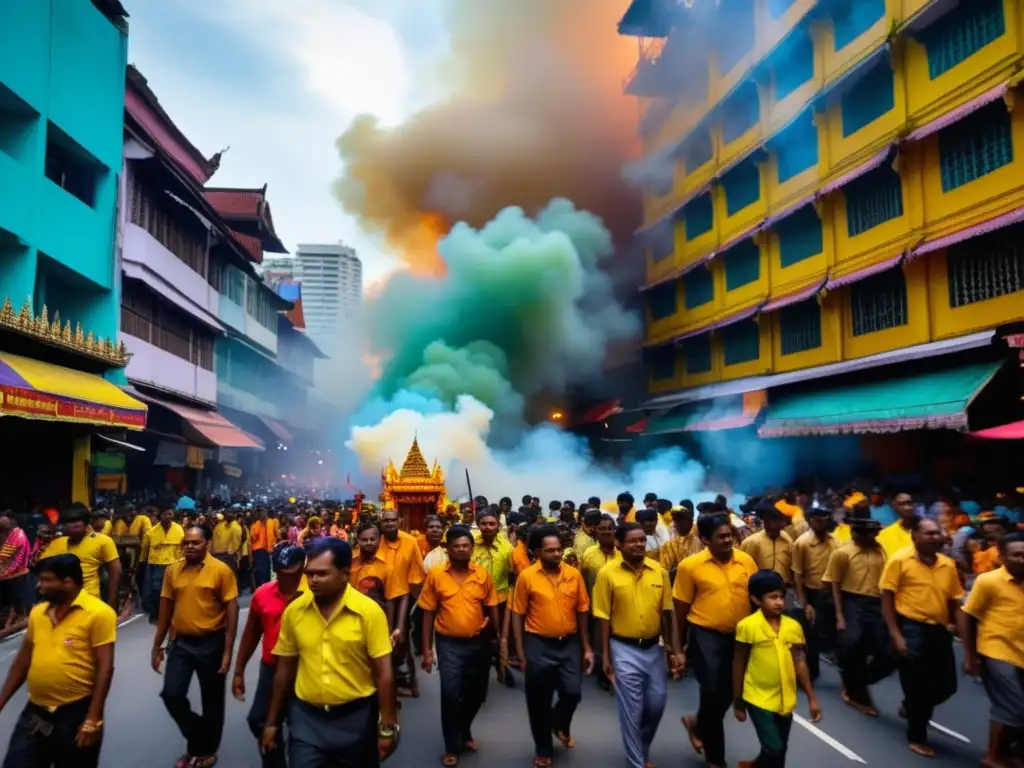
[
  {"x": 460, "y": 601},
  {"x": 402, "y": 554},
  {"x": 261, "y": 546},
  {"x": 549, "y": 608}
]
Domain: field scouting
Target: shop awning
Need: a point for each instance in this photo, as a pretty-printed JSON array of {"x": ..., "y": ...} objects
[
  {"x": 33, "y": 389},
  {"x": 1013, "y": 431},
  {"x": 210, "y": 425},
  {"x": 598, "y": 413},
  {"x": 936, "y": 400},
  {"x": 279, "y": 430},
  {"x": 715, "y": 418}
]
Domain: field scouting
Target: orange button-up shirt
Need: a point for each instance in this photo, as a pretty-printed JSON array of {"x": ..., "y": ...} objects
[
  {"x": 403, "y": 555},
  {"x": 549, "y": 601},
  {"x": 520, "y": 558},
  {"x": 460, "y": 608},
  {"x": 258, "y": 535}
]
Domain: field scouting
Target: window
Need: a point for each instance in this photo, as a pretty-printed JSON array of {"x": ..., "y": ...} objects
[
  {"x": 170, "y": 224},
  {"x": 699, "y": 215},
  {"x": 794, "y": 63},
  {"x": 742, "y": 186},
  {"x": 662, "y": 242},
  {"x": 698, "y": 151},
  {"x": 797, "y": 147},
  {"x": 661, "y": 300},
  {"x": 17, "y": 126},
  {"x": 975, "y": 146},
  {"x": 697, "y": 353},
  {"x": 800, "y": 236},
  {"x": 800, "y": 326},
  {"x": 855, "y": 17},
  {"x": 873, "y": 199},
  {"x": 986, "y": 267},
  {"x": 870, "y": 98},
  {"x": 742, "y": 264},
  {"x": 698, "y": 287},
  {"x": 879, "y": 302},
  {"x": 741, "y": 342},
  {"x": 663, "y": 363},
  {"x": 962, "y": 32},
  {"x": 739, "y": 40},
  {"x": 260, "y": 305},
  {"x": 779, "y": 7},
  {"x": 147, "y": 317},
  {"x": 741, "y": 112},
  {"x": 233, "y": 285},
  {"x": 70, "y": 167}
]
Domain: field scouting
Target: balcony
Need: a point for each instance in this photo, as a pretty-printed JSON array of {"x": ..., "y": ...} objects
[
  {"x": 152, "y": 365},
  {"x": 76, "y": 235},
  {"x": 260, "y": 335}
]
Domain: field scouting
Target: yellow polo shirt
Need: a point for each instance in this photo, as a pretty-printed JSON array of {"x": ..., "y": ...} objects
[
  {"x": 140, "y": 525},
  {"x": 335, "y": 655},
  {"x": 997, "y": 603},
  {"x": 497, "y": 561},
  {"x": 632, "y": 601},
  {"x": 770, "y": 680},
  {"x": 62, "y": 669},
  {"x": 895, "y": 537},
  {"x": 227, "y": 538},
  {"x": 716, "y": 592},
  {"x": 200, "y": 594},
  {"x": 163, "y": 547},
  {"x": 922, "y": 592},
  {"x": 93, "y": 551}
]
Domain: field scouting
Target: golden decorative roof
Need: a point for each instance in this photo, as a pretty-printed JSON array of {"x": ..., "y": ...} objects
[
  {"x": 415, "y": 465},
  {"x": 414, "y": 477},
  {"x": 53, "y": 333}
]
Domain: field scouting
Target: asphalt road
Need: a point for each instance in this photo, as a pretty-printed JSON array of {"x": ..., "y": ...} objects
[{"x": 139, "y": 730}]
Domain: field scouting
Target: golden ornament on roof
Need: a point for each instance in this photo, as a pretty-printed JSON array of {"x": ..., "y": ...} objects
[{"x": 415, "y": 490}]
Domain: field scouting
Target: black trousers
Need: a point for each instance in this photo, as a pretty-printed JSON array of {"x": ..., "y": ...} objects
[
  {"x": 257, "y": 716},
  {"x": 865, "y": 657},
  {"x": 464, "y": 667},
  {"x": 709, "y": 655},
  {"x": 552, "y": 665},
  {"x": 821, "y": 636},
  {"x": 200, "y": 656},
  {"x": 261, "y": 566},
  {"x": 334, "y": 737},
  {"x": 34, "y": 745},
  {"x": 927, "y": 674}
]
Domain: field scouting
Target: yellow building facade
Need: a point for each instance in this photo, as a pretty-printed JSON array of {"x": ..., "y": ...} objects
[{"x": 827, "y": 181}]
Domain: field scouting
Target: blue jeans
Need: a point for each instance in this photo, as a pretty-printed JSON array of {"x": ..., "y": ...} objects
[{"x": 154, "y": 583}]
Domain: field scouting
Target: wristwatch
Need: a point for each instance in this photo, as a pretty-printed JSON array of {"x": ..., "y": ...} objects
[{"x": 386, "y": 731}]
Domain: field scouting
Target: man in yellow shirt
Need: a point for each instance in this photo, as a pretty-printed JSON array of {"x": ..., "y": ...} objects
[
  {"x": 899, "y": 535},
  {"x": 710, "y": 597},
  {"x": 199, "y": 602},
  {"x": 921, "y": 595},
  {"x": 334, "y": 652},
  {"x": 811, "y": 553},
  {"x": 993, "y": 635},
  {"x": 771, "y": 548},
  {"x": 96, "y": 551},
  {"x": 67, "y": 658},
  {"x": 227, "y": 541},
  {"x": 493, "y": 553},
  {"x": 161, "y": 546},
  {"x": 768, "y": 664},
  {"x": 633, "y": 605},
  {"x": 591, "y": 563}
]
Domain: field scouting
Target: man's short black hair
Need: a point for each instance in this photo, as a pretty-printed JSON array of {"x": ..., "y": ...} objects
[
  {"x": 340, "y": 551},
  {"x": 203, "y": 529},
  {"x": 625, "y": 498},
  {"x": 555, "y": 506},
  {"x": 541, "y": 532},
  {"x": 63, "y": 567},
  {"x": 594, "y": 501},
  {"x": 622, "y": 530},
  {"x": 457, "y": 532},
  {"x": 708, "y": 524},
  {"x": 527, "y": 499},
  {"x": 646, "y": 515},
  {"x": 365, "y": 526},
  {"x": 76, "y": 513},
  {"x": 592, "y": 517},
  {"x": 1011, "y": 538},
  {"x": 486, "y": 512}
]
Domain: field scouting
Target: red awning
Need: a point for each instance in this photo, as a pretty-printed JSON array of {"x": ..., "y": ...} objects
[
  {"x": 1014, "y": 431},
  {"x": 278, "y": 429},
  {"x": 638, "y": 428},
  {"x": 210, "y": 425},
  {"x": 600, "y": 412}
]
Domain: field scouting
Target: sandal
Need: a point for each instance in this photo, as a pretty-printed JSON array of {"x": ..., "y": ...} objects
[
  {"x": 450, "y": 761},
  {"x": 184, "y": 761},
  {"x": 542, "y": 762},
  {"x": 204, "y": 762},
  {"x": 471, "y": 745},
  {"x": 565, "y": 738}
]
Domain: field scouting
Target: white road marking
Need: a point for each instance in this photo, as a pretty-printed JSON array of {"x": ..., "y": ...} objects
[
  {"x": 130, "y": 620},
  {"x": 842, "y": 749},
  {"x": 949, "y": 732}
]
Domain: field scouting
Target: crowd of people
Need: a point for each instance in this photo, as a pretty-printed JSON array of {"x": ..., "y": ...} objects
[{"x": 747, "y": 600}]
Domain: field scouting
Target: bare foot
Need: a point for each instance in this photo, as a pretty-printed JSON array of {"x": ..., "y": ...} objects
[
  {"x": 690, "y": 724},
  {"x": 864, "y": 709}
]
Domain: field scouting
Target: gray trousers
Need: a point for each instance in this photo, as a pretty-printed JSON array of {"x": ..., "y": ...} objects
[
  {"x": 335, "y": 737},
  {"x": 641, "y": 689}
]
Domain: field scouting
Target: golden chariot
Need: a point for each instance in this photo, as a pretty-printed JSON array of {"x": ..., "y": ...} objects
[{"x": 415, "y": 491}]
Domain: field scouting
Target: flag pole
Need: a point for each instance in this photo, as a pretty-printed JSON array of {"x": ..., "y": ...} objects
[{"x": 469, "y": 487}]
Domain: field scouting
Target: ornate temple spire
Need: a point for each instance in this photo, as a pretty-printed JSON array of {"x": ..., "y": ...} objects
[{"x": 415, "y": 465}]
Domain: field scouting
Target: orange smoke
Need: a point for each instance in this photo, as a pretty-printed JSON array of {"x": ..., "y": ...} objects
[{"x": 535, "y": 111}]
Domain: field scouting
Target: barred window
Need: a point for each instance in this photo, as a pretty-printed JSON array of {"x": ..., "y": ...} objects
[
  {"x": 800, "y": 326},
  {"x": 872, "y": 200},
  {"x": 975, "y": 146},
  {"x": 260, "y": 305},
  {"x": 233, "y": 285},
  {"x": 986, "y": 268},
  {"x": 147, "y": 317},
  {"x": 697, "y": 353},
  {"x": 800, "y": 236},
  {"x": 872, "y": 97},
  {"x": 169, "y": 223},
  {"x": 741, "y": 342},
  {"x": 879, "y": 302},
  {"x": 698, "y": 287},
  {"x": 961, "y": 33},
  {"x": 699, "y": 216},
  {"x": 742, "y": 264},
  {"x": 742, "y": 186},
  {"x": 661, "y": 300}
]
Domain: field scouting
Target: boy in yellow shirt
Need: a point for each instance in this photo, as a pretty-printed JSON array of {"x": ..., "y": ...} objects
[{"x": 768, "y": 664}]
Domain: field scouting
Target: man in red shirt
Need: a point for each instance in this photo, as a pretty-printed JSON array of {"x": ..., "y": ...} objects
[{"x": 265, "y": 611}]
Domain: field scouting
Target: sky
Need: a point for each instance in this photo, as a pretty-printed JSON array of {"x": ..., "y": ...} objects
[{"x": 278, "y": 81}]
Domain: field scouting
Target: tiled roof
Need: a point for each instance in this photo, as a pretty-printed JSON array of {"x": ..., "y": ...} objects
[
  {"x": 236, "y": 202},
  {"x": 296, "y": 316},
  {"x": 251, "y": 244}
]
